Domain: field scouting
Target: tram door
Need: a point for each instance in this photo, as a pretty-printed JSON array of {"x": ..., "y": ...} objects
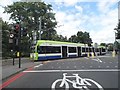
[
  {"x": 79, "y": 51},
  {"x": 64, "y": 51}
]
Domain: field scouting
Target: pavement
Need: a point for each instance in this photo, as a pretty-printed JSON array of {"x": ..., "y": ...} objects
[{"x": 8, "y": 69}]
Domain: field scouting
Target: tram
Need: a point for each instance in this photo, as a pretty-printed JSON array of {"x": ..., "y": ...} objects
[{"x": 48, "y": 50}]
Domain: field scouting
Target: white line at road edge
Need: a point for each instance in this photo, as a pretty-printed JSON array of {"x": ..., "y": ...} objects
[{"x": 85, "y": 70}]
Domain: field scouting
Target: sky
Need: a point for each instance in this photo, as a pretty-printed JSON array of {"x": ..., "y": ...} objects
[{"x": 98, "y": 17}]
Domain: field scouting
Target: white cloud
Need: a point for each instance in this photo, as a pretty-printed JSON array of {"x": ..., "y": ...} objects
[
  {"x": 102, "y": 25},
  {"x": 79, "y": 8},
  {"x": 70, "y": 2},
  {"x": 104, "y": 6},
  {"x": 71, "y": 23}
]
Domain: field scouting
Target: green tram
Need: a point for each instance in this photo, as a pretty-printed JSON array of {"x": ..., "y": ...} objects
[{"x": 46, "y": 50}]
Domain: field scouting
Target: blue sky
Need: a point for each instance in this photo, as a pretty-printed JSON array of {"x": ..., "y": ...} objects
[{"x": 97, "y": 17}]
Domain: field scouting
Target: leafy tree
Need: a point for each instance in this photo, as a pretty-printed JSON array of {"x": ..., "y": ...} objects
[
  {"x": 73, "y": 38},
  {"x": 29, "y": 14},
  {"x": 103, "y": 44},
  {"x": 61, "y": 38},
  {"x": 81, "y": 37},
  {"x": 117, "y": 36},
  {"x": 5, "y": 39},
  {"x": 110, "y": 46}
]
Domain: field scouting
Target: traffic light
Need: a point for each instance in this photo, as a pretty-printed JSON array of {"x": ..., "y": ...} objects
[{"x": 17, "y": 27}]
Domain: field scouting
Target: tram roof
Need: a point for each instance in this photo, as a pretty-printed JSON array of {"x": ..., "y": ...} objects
[{"x": 59, "y": 42}]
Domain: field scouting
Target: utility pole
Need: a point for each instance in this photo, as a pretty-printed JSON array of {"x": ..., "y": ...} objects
[
  {"x": 40, "y": 28},
  {"x": 19, "y": 44}
]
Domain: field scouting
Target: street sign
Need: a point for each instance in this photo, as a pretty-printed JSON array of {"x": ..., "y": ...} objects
[
  {"x": 11, "y": 35},
  {"x": 10, "y": 40}
]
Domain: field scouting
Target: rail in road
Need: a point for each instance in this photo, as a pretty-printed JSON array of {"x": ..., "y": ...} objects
[{"x": 99, "y": 73}]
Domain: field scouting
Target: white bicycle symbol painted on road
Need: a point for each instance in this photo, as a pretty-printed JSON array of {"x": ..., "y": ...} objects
[{"x": 79, "y": 83}]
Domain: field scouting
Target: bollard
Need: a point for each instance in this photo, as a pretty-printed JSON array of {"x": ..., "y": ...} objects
[
  {"x": 88, "y": 55},
  {"x": 18, "y": 54},
  {"x": 113, "y": 53},
  {"x": 92, "y": 55}
]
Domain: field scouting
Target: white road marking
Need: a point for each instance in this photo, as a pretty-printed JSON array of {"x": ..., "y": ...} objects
[
  {"x": 82, "y": 84},
  {"x": 52, "y": 67},
  {"x": 116, "y": 66},
  {"x": 85, "y": 70},
  {"x": 107, "y": 66},
  {"x": 97, "y": 59},
  {"x": 91, "y": 66},
  {"x": 86, "y": 57},
  {"x": 38, "y": 66}
]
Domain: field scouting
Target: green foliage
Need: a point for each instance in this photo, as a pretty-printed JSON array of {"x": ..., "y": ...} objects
[
  {"x": 103, "y": 44},
  {"x": 118, "y": 31},
  {"x": 29, "y": 14},
  {"x": 110, "y": 46},
  {"x": 5, "y": 39},
  {"x": 81, "y": 37}
]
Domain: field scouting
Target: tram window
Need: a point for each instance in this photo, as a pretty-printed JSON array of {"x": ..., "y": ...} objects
[
  {"x": 83, "y": 49},
  {"x": 103, "y": 50},
  {"x": 53, "y": 49},
  {"x": 90, "y": 49},
  {"x": 48, "y": 49},
  {"x": 87, "y": 50},
  {"x": 72, "y": 49},
  {"x": 41, "y": 49},
  {"x": 97, "y": 50},
  {"x": 93, "y": 50}
]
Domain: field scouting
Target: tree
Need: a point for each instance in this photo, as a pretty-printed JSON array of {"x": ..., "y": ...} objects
[
  {"x": 81, "y": 37},
  {"x": 117, "y": 36},
  {"x": 110, "y": 46},
  {"x": 29, "y": 14},
  {"x": 103, "y": 44},
  {"x": 5, "y": 39},
  {"x": 73, "y": 38}
]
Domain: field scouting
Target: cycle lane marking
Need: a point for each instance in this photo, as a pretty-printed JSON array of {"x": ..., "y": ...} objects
[{"x": 83, "y": 82}]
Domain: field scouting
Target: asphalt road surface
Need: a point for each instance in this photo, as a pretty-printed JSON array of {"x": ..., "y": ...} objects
[{"x": 99, "y": 72}]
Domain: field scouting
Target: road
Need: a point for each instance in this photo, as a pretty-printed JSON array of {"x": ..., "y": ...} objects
[{"x": 102, "y": 71}]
